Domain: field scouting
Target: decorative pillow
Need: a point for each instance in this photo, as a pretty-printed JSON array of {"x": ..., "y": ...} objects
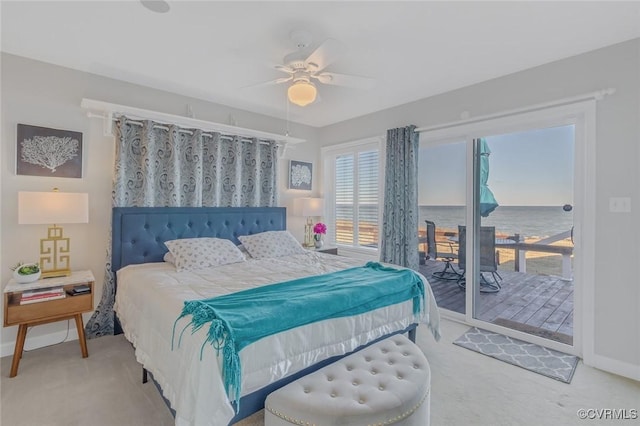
[
  {"x": 198, "y": 253},
  {"x": 168, "y": 257},
  {"x": 271, "y": 244}
]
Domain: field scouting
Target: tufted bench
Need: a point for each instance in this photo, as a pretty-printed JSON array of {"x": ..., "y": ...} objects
[{"x": 387, "y": 383}]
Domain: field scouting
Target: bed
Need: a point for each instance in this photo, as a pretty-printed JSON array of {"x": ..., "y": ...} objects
[{"x": 151, "y": 293}]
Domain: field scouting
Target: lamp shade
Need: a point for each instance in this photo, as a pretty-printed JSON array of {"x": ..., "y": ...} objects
[
  {"x": 36, "y": 208},
  {"x": 302, "y": 93},
  {"x": 308, "y": 206}
]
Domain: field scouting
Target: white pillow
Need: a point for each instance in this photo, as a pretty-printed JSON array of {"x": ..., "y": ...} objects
[
  {"x": 271, "y": 244},
  {"x": 168, "y": 257},
  {"x": 198, "y": 253}
]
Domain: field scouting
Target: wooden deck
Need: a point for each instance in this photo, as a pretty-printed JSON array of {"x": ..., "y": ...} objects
[{"x": 536, "y": 304}]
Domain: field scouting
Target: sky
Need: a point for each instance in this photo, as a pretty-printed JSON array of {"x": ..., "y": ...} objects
[{"x": 532, "y": 168}]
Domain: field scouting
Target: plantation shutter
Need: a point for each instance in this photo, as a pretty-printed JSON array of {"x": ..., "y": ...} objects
[
  {"x": 368, "y": 199},
  {"x": 356, "y": 199},
  {"x": 345, "y": 191}
]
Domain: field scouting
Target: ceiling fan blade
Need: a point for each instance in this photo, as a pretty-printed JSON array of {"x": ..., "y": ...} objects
[
  {"x": 354, "y": 81},
  {"x": 269, "y": 83},
  {"x": 325, "y": 54},
  {"x": 284, "y": 68},
  {"x": 282, "y": 80}
]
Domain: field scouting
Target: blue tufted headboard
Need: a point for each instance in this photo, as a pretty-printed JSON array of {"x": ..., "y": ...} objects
[{"x": 139, "y": 233}]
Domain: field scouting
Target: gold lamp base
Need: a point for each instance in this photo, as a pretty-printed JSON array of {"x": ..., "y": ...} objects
[
  {"x": 54, "y": 254},
  {"x": 56, "y": 273},
  {"x": 308, "y": 233}
]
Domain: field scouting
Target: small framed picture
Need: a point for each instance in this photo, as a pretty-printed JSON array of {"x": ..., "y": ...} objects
[
  {"x": 300, "y": 175},
  {"x": 42, "y": 151}
]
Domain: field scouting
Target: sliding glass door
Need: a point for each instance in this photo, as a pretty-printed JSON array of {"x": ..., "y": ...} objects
[
  {"x": 523, "y": 188},
  {"x": 442, "y": 204},
  {"x": 496, "y": 229}
]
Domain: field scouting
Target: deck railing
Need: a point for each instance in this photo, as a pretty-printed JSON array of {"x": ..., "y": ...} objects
[
  {"x": 369, "y": 233},
  {"x": 519, "y": 246},
  {"x": 544, "y": 246}
]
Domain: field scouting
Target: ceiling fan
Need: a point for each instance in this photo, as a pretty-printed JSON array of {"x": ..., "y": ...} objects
[{"x": 305, "y": 69}]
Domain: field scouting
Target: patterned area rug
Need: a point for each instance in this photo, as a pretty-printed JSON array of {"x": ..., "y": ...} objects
[{"x": 550, "y": 363}]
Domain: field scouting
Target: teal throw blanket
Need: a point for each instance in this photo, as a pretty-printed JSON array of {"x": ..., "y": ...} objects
[{"x": 241, "y": 318}]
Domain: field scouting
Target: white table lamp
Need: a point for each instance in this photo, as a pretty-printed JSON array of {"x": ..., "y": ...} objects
[
  {"x": 309, "y": 208},
  {"x": 54, "y": 208}
]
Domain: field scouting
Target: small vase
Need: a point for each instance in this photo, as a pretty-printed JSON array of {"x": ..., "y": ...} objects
[{"x": 318, "y": 243}]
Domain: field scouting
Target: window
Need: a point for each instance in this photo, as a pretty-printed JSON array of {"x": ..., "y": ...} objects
[{"x": 352, "y": 193}]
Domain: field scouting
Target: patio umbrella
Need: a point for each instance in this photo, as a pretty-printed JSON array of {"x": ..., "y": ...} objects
[{"x": 488, "y": 202}]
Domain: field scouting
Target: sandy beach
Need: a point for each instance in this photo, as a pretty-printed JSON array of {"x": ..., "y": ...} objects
[{"x": 539, "y": 263}]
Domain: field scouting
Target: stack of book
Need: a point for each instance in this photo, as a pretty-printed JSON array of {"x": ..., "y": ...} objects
[{"x": 42, "y": 295}]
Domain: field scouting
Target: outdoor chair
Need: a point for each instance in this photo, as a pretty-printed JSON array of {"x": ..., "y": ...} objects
[
  {"x": 448, "y": 256},
  {"x": 488, "y": 258}
]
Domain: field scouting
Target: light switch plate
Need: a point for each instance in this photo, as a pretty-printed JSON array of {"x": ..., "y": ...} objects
[{"x": 620, "y": 205}]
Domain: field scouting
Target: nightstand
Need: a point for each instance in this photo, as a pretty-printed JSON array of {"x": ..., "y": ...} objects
[
  {"x": 44, "y": 312},
  {"x": 328, "y": 250}
]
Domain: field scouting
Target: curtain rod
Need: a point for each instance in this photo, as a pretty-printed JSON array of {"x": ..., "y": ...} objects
[
  {"x": 108, "y": 112},
  {"x": 189, "y": 132},
  {"x": 597, "y": 95}
]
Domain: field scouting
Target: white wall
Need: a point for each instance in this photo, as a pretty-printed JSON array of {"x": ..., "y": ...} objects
[
  {"x": 617, "y": 285},
  {"x": 47, "y": 95}
]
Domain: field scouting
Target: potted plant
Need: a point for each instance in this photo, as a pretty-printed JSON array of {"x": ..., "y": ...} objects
[{"x": 26, "y": 272}]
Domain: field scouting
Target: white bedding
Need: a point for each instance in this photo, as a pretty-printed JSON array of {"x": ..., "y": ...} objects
[{"x": 150, "y": 297}]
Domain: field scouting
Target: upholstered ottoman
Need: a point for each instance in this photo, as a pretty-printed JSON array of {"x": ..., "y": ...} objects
[{"x": 387, "y": 383}]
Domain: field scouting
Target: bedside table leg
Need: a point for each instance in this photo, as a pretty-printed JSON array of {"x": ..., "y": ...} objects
[
  {"x": 81, "y": 336},
  {"x": 17, "y": 352}
]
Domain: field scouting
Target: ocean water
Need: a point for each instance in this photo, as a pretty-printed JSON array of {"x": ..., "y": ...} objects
[{"x": 528, "y": 221}]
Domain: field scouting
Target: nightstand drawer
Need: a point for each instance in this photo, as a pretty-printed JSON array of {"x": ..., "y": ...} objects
[{"x": 49, "y": 310}]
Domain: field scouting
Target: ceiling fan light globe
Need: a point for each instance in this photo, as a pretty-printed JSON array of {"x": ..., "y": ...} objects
[{"x": 302, "y": 93}]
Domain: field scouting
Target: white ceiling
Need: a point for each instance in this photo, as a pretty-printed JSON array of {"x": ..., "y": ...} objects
[{"x": 211, "y": 50}]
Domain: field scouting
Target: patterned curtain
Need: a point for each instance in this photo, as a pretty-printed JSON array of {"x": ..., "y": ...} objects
[
  {"x": 400, "y": 215},
  {"x": 167, "y": 166}
]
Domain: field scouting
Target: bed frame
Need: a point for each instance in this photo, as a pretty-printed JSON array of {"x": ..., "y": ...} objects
[{"x": 139, "y": 234}]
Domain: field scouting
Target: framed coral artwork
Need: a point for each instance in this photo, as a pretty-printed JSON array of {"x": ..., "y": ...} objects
[
  {"x": 300, "y": 175},
  {"x": 42, "y": 151}
]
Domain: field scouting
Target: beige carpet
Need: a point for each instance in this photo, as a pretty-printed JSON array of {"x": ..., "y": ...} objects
[{"x": 55, "y": 386}]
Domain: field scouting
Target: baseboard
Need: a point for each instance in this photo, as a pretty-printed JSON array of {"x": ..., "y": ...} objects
[
  {"x": 621, "y": 368},
  {"x": 37, "y": 342}
]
